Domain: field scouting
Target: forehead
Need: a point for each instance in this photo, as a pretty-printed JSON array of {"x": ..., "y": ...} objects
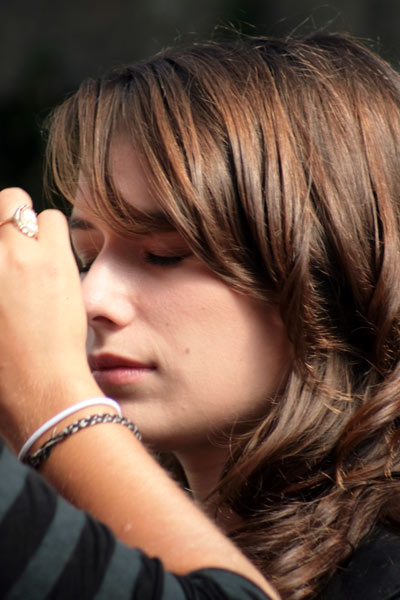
[
  {"x": 126, "y": 203},
  {"x": 128, "y": 177}
]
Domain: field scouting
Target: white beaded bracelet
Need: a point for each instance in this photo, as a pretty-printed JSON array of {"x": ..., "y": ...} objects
[{"x": 62, "y": 415}]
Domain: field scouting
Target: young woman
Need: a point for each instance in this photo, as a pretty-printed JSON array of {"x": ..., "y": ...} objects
[{"x": 236, "y": 223}]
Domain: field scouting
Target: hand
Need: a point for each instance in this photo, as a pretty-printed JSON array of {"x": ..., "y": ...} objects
[{"x": 42, "y": 323}]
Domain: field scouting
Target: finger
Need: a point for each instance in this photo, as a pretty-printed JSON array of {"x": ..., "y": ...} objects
[
  {"x": 10, "y": 200},
  {"x": 53, "y": 228},
  {"x": 54, "y": 237}
]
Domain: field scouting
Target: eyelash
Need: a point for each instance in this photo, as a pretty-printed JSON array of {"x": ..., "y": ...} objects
[
  {"x": 150, "y": 258},
  {"x": 163, "y": 261}
]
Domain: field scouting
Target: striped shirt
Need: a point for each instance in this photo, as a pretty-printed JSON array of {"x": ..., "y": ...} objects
[{"x": 49, "y": 549}]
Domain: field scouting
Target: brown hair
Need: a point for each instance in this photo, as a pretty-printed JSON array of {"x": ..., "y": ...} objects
[{"x": 279, "y": 161}]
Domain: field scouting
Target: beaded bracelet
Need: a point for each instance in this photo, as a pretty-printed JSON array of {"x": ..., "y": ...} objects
[{"x": 43, "y": 453}]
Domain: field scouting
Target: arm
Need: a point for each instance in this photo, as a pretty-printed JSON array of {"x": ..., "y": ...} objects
[
  {"x": 43, "y": 369},
  {"x": 49, "y": 546}
]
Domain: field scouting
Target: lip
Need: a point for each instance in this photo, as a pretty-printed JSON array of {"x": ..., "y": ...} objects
[{"x": 114, "y": 370}]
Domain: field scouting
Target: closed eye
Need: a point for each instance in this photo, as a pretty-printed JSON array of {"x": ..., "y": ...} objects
[{"x": 165, "y": 261}]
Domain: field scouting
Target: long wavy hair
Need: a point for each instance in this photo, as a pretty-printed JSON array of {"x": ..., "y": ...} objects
[{"x": 279, "y": 161}]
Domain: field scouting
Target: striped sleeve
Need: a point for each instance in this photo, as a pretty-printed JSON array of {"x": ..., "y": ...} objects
[{"x": 51, "y": 550}]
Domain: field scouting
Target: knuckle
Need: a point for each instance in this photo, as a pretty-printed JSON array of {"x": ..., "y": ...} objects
[
  {"x": 53, "y": 218},
  {"x": 15, "y": 194}
]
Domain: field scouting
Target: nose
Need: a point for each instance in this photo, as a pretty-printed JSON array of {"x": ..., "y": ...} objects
[{"x": 107, "y": 295}]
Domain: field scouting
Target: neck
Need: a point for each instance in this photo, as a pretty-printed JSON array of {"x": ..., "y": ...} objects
[{"x": 203, "y": 468}]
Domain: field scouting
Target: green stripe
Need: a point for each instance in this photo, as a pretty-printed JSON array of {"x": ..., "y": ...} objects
[
  {"x": 48, "y": 562},
  {"x": 121, "y": 574}
]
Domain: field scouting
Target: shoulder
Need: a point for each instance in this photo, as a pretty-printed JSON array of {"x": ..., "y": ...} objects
[{"x": 372, "y": 572}]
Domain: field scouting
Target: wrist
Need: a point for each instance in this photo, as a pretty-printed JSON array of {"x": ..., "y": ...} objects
[
  {"x": 37, "y": 458},
  {"x": 34, "y": 406},
  {"x": 59, "y": 421}
]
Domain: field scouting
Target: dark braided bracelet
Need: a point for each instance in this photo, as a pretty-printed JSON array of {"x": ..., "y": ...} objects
[{"x": 43, "y": 453}]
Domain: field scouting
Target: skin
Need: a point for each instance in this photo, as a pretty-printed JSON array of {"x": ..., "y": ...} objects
[{"x": 187, "y": 357}]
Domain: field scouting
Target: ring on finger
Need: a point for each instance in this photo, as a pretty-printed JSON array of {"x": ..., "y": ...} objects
[{"x": 25, "y": 219}]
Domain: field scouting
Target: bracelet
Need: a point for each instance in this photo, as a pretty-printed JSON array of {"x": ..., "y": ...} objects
[
  {"x": 62, "y": 415},
  {"x": 43, "y": 453}
]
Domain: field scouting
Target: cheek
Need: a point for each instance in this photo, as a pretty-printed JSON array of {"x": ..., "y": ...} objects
[
  {"x": 271, "y": 356},
  {"x": 257, "y": 352},
  {"x": 229, "y": 347}
]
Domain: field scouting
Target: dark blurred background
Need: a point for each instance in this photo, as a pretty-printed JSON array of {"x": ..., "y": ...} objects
[{"x": 49, "y": 46}]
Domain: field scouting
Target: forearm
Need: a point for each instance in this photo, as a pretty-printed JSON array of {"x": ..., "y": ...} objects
[
  {"x": 106, "y": 471},
  {"x": 51, "y": 547}
]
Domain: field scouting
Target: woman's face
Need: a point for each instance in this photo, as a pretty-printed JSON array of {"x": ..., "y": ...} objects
[{"x": 185, "y": 355}]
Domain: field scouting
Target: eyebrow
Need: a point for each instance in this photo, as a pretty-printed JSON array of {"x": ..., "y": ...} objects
[{"x": 77, "y": 223}]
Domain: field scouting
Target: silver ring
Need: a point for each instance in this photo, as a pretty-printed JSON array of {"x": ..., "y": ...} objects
[{"x": 25, "y": 219}]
